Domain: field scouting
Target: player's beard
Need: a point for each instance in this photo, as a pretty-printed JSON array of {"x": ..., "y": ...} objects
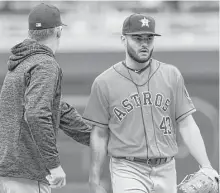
[{"x": 135, "y": 57}]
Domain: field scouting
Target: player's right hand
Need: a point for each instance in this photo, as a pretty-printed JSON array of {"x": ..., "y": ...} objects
[
  {"x": 57, "y": 177},
  {"x": 96, "y": 188}
]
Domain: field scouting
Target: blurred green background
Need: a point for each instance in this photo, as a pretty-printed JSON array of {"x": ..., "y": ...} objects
[{"x": 91, "y": 43}]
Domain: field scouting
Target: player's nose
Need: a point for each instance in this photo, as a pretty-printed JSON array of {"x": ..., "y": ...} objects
[{"x": 144, "y": 44}]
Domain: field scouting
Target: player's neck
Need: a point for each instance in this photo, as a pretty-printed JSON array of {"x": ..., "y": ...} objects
[{"x": 135, "y": 65}]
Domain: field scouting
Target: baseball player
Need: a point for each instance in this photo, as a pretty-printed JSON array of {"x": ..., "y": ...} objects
[{"x": 136, "y": 107}]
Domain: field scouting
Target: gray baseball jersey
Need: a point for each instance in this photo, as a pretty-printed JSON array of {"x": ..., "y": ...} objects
[{"x": 140, "y": 110}]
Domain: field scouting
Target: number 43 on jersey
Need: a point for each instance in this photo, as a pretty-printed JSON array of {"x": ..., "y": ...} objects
[{"x": 165, "y": 125}]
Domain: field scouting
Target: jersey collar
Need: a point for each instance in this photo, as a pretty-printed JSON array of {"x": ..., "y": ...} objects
[{"x": 138, "y": 79}]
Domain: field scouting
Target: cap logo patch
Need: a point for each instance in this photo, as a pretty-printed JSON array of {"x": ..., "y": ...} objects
[
  {"x": 145, "y": 22},
  {"x": 38, "y": 24}
]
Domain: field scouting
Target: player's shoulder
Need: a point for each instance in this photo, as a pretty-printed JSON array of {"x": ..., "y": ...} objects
[
  {"x": 107, "y": 75},
  {"x": 169, "y": 69}
]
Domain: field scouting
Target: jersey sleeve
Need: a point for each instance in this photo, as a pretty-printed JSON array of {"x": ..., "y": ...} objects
[
  {"x": 184, "y": 105},
  {"x": 96, "y": 111}
]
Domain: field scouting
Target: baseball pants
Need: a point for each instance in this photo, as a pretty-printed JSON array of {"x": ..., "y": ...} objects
[
  {"x": 18, "y": 185},
  {"x": 133, "y": 177}
]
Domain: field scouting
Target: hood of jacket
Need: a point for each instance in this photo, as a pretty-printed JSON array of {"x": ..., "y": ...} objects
[{"x": 24, "y": 50}]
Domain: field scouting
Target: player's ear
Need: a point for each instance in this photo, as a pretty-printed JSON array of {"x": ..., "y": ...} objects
[
  {"x": 123, "y": 39},
  {"x": 59, "y": 30},
  {"x": 58, "y": 34}
]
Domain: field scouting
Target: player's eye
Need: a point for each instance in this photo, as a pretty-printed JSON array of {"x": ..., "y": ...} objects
[
  {"x": 139, "y": 38},
  {"x": 150, "y": 38}
]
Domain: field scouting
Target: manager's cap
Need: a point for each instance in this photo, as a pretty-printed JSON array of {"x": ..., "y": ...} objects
[
  {"x": 139, "y": 24},
  {"x": 44, "y": 16}
]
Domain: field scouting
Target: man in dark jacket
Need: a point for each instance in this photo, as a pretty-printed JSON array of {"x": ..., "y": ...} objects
[{"x": 31, "y": 111}]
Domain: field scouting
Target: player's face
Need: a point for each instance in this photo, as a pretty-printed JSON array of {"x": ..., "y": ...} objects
[{"x": 140, "y": 47}]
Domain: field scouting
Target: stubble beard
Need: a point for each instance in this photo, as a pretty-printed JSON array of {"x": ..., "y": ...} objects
[{"x": 135, "y": 57}]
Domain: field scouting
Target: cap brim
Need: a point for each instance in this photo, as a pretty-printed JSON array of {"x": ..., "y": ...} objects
[
  {"x": 142, "y": 32},
  {"x": 64, "y": 24}
]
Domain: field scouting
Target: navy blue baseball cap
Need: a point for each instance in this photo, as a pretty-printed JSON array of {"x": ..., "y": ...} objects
[
  {"x": 44, "y": 16},
  {"x": 139, "y": 24}
]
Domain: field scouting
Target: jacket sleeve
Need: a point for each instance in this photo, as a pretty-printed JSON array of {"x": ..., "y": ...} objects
[
  {"x": 38, "y": 111},
  {"x": 73, "y": 125}
]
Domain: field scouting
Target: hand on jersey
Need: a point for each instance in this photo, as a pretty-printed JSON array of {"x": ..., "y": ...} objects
[
  {"x": 96, "y": 188},
  {"x": 57, "y": 177}
]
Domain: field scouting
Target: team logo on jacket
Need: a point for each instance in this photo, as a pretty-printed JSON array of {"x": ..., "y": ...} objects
[{"x": 134, "y": 101}]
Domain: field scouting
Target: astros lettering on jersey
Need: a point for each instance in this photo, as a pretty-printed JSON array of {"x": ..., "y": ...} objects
[{"x": 140, "y": 110}]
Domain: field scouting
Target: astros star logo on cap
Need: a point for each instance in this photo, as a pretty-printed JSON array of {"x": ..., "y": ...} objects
[{"x": 145, "y": 22}]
